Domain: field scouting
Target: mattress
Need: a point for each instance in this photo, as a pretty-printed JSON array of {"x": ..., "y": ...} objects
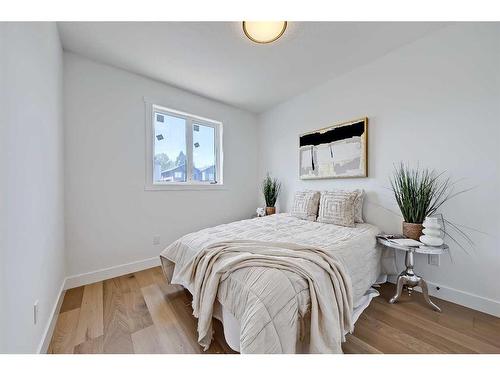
[{"x": 355, "y": 247}]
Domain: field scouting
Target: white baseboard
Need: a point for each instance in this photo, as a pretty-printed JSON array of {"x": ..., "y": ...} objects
[
  {"x": 110, "y": 272},
  {"x": 486, "y": 305},
  {"x": 51, "y": 324}
]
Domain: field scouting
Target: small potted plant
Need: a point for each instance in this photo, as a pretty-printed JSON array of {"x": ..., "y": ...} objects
[
  {"x": 271, "y": 189},
  {"x": 419, "y": 194}
]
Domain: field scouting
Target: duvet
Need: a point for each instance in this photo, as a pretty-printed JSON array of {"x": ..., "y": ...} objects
[{"x": 273, "y": 272}]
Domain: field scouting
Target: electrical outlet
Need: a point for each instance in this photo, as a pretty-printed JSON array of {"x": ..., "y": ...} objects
[
  {"x": 35, "y": 312},
  {"x": 156, "y": 240},
  {"x": 433, "y": 259}
]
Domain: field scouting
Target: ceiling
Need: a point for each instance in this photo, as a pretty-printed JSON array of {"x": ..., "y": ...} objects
[{"x": 216, "y": 60}]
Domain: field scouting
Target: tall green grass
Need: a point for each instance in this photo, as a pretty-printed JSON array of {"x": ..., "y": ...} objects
[
  {"x": 420, "y": 192},
  {"x": 270, "y": 188}
]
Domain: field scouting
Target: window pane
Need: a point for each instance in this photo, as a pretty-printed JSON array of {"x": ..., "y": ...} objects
[
  {"x": 170, "y": 148},
  {"x": 204, "y": 153}
]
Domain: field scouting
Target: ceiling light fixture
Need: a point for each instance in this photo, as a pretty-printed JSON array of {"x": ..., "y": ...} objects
[{"x": 264, "y": 32}]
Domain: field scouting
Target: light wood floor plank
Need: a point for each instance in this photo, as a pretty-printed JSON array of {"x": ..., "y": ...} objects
[
  {"x": 63, "y": 339},
  {"x": 72, "y": 299},
  {"x": 90, "y": 323},
  {"x": 117, "y": 335},
  {"x": 93, "y": 346},
  {"x": 353, "y": 345},
  {"x": 172, "y": 338},
  {"x": 146, "y": 341},
  {"x": 451, "y": 335},
  {"x": 138, "y": 316},
  {"x": 144, "y": 278},
  {"x": 458, "y": 318},
  {"x": 422, "y": 332},
  {"x": 389, "y": 339}
]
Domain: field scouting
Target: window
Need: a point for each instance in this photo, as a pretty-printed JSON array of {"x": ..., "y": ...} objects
[{"x": 184, "y": 151}]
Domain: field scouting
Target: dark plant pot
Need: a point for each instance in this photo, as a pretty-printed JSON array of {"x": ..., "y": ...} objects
[
  {"x": 270, "y": 210},
  {"x": 412, "y": 230}
]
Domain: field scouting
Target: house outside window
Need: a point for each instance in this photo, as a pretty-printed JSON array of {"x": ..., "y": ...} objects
[{"x": 183, "y": 150}]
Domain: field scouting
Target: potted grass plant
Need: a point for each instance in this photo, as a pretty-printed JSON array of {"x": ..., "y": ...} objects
[
  {"x": 270, "y": 188},
  {"x": 419, "y": 193}
]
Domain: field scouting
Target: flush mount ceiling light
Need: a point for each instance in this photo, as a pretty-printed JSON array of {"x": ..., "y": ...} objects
[{"x": 264, "y": 32}]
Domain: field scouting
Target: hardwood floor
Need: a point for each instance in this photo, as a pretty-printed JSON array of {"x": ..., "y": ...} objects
[{"x": 142, "y": 313}]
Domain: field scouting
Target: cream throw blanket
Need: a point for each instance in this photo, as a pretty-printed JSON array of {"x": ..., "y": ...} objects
[{"x": 329, "y": 287}]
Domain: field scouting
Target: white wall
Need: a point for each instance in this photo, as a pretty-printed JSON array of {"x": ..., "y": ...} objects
[
  {"x": 435, "y": 101},
  {"x": 31, "y": 206},
  {"x": 110, "y": 218}
]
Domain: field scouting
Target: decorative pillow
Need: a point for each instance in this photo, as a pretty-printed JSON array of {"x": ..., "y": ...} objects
[
  {"x": 305, "y": 205},
  {"x": 358, "y": 204},
  {"x": 337, "y": 207}
]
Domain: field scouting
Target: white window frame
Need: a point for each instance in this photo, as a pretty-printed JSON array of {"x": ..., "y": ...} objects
[{"x": 189, "y": 184}]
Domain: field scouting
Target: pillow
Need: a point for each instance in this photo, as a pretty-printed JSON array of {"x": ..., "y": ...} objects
[
  {"x": 337, "y": 207},
  {"x": 305, "y": 205},
  {"x": 358, "y": 204}
]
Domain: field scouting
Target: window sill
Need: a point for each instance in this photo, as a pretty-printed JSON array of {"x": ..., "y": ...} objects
[{"x": 161, "y": 187}]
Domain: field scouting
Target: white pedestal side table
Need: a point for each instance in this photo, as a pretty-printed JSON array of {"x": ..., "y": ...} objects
[{"x": 408, "y": 277}]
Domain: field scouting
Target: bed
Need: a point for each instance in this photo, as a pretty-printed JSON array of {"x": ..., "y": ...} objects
[{"x": 356, "y": 248}]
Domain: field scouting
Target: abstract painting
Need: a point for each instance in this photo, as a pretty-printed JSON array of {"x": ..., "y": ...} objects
[{"x": 338, "y": 151}]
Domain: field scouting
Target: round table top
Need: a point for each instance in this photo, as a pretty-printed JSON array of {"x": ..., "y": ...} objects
[{"x": 422, "y": 250}]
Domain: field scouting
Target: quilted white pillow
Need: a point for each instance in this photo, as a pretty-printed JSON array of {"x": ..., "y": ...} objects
[
  {"x": 358, "y": 204},
  {"x": 337, "y": 207},
  {"x": 305, "y": 205}
]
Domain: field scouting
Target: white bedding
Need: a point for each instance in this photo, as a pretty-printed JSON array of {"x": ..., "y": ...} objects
[{"x": 355, "y": 247}]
